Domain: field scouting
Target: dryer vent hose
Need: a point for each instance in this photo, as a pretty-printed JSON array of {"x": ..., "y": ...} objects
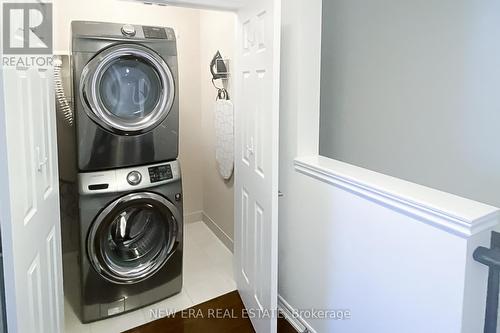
[{"x": 64, "y": 106}]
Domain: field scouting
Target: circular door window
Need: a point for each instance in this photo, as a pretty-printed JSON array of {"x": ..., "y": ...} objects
[
  {"x": 127, "y": 89},
  {"x": 133, "y": 237}
]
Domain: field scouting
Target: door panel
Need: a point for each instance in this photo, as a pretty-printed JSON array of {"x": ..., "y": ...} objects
[
  {"x": 133, "y": 237},
  {"x": 26, "y": 192},
  {"x": 54, "y": 281},
  {"x": 256, "y": 166},
  {"x": 30, "y": 222},
  {"x": 35, "y": 295},
  {"x": 127, "y": 88},
  {"x": 47, "y": 123}
]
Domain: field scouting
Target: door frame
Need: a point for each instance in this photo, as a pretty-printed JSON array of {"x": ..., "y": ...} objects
[
  {"x": 5, "y": 228},
  {"x": 217, "y": 5}
]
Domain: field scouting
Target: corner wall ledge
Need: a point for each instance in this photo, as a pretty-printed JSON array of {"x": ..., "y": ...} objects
[{"x": 442, "y": 210}]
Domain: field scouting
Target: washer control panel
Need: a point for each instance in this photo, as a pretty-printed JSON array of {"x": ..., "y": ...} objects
[
  {"x": 129, "y": 179},
  {"x": 160, "y": 173},
  {"x": 154, "y": 32}
]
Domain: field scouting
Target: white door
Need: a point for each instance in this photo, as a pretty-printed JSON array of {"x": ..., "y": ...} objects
[
  {"x": 257, "y": 80},
  {"x": 29, "y": 202}
]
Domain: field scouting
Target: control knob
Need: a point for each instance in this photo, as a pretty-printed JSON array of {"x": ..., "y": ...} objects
[{"x": 134, "y": 178}]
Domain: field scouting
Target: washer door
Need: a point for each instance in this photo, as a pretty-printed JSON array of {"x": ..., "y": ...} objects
[
  {"x": 133, "y": 237},
  {"x": 127, "y": 89}
]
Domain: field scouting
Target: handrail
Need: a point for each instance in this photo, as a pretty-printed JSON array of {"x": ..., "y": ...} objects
[
  {"x": 491, "y": 258},
  {"x": 488, "y": 257}
]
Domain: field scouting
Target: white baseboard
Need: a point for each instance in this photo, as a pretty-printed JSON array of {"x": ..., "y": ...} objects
[
  {"x": 193, "y": 217},
  {"x": 297, "y": 323},
  {"x": 201, "y": 216},
  {"x": 224, "y": 238}
]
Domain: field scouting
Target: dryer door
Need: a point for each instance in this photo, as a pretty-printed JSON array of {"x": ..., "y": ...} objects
[
  {"x": 127, "y": 89},
  {"x": 133, "y": 237}
]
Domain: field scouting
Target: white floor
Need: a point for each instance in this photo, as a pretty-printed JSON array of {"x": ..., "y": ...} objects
[{"x": 208, "y": 273}]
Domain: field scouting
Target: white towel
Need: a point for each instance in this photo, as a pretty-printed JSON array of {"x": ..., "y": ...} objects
[{"x": 224, "y": 137}]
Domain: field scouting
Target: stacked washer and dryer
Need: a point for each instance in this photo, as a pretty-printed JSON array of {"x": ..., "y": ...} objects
[{"x": 130, "y": 190}]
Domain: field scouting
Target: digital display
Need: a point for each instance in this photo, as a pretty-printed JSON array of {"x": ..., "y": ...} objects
[
  {"x": 154, "y": 33},
  {"x": 160, "y": 173}
]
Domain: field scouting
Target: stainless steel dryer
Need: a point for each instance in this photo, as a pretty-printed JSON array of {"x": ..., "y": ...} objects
[
  {"x": 131, "y": 238},
  {"x": 125, "y": 94}
]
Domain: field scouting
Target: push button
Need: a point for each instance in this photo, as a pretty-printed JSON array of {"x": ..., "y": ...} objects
[
  {"x": 134, "y": 178},
  {"x": 128, "y": 30}
]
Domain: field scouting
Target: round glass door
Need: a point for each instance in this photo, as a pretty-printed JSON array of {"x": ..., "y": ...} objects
[
  {"x": 133, "y": 237},
  {"x": 127, "y": 89},
  {"x": 130, "y": 89}
]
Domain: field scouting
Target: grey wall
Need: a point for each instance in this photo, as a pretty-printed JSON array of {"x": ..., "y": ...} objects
[{"x": 412, "y": 89}]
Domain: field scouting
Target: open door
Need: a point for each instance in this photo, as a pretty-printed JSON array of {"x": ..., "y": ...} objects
[
  {"x": 257, "y": 81},
  {"x": 29, "y": 201}
]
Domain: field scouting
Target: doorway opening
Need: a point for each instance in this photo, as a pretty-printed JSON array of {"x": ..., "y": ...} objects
[{"x": 207, "y": 196}]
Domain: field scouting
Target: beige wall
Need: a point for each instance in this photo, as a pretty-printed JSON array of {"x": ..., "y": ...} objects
[
  {"x": 200, "y": 35},
  {"x": 217, "y": 32}
]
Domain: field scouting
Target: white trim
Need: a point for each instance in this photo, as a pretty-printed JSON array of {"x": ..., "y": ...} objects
[
  {"x": 201, "y": 216},
  {"x": 227, "y": 5},
  {"x": 193, "y": 217},
  {"x": 217, "y": 230},
  {"x": 297, "y": 322},
  {"x": 442, "y": 210}
]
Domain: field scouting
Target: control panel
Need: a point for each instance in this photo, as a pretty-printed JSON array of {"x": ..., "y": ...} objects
[
  {"x": 160, "y": 173},
  {"x": 128, "y": 179},
  {"x": 155, "y": 32}
]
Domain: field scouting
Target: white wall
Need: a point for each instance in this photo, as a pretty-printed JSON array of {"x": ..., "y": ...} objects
[{"x": 340, "y": 248}]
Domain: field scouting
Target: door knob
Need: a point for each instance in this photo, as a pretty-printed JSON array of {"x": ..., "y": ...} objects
[
  {"x": 41, "y": 161},
  {"x": 250, "y": 147}
]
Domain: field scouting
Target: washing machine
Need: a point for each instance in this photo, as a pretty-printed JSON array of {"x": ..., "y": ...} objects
[
  {"x": 131, "y": 238},
  {"x": 125, "y": 87}
]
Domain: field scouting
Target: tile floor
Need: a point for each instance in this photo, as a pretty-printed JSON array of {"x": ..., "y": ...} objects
[{"x": 208, "y": 273}]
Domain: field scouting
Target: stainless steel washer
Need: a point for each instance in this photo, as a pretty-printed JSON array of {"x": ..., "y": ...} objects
[{"x": 131, "y": 234}]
